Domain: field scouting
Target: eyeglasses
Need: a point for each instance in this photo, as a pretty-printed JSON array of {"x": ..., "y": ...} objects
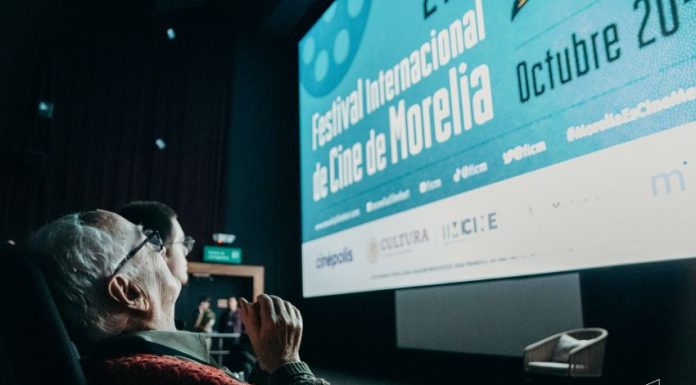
[
  {"x": 188, "y": 243},
  {"x": 152, "y": 237}
]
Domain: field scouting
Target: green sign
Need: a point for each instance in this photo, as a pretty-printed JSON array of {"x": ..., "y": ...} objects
[{"x": 222, "y": 254}]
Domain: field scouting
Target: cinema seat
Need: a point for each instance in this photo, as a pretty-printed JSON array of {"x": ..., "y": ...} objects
[
  {"x": 35, "y": 341},
  {"x": 6, "y": 372},
  {"x": 575, "y": 353}
]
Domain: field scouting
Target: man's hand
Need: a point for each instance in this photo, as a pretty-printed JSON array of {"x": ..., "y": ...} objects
[{"x": 274, "y": 327}]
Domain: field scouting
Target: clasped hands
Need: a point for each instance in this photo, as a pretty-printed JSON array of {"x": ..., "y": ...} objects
[{"x": 274, "y": 327}]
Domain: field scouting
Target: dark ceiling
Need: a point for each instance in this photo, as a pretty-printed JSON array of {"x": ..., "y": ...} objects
[{"x": 281, "y": 20}]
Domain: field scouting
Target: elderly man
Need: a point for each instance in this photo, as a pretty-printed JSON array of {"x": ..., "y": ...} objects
[{"x": 111, "y": 283}]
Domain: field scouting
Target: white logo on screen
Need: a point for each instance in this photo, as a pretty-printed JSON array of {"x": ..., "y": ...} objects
[
  {"x": 373, "y": 250},
  {"x": 470, "y": 226},
  {"x": 396, "y": 243},
  {"x": 334, "y": 259},
  {"x": 524, "y": 151},
  {"x": 404, "y": 240}
]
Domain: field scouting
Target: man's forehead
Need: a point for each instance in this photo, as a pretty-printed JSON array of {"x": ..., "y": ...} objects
[
  {"x": 114, "y": 223},
  {"x": 129, "y": 232}
]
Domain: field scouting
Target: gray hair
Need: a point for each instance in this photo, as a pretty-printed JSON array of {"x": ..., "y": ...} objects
[{"x": 77, "y": 256}]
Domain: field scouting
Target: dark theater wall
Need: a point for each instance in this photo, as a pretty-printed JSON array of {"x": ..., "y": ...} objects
[
  {"x": 116, "y": 86},
  {"x": 223, "y": 100},
  {"x": 263, "y": 189},
  {"x": 650, "y": 312}
]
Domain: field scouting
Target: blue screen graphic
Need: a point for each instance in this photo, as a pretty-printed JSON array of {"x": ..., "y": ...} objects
[{"x": 405, "y": 105}]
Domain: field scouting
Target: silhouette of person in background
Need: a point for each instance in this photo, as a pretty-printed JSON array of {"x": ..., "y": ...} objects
[
  {"x": 204, "y": 317},
  {"x": 230, "y": 319},
  {"x": 240, "y": 357}
]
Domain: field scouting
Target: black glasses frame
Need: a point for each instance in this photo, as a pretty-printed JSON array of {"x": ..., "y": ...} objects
[
  {"x": 152, "y": 237},
  {"x": 188, "y": 243}
]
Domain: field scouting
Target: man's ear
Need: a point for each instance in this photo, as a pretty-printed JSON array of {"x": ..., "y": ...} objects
[{"x": 128, "y": 294}]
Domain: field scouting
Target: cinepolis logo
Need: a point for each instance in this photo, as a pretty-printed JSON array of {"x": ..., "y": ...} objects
[{"x": 332, "y": 259}]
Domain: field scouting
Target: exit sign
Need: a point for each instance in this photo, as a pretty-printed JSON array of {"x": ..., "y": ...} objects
[{"x": 222, "y": 254}]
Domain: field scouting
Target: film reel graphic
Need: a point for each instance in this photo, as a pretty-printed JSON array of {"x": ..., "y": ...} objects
[{"x": 327, "y": 52}]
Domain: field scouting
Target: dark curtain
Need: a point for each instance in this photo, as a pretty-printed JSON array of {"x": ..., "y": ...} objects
[{"x": 117, "y": 85}]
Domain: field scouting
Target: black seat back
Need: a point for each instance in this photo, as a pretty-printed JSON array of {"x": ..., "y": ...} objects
[
  {"x": 35, "y": 341},
  {"x": 6, "y": 372}
]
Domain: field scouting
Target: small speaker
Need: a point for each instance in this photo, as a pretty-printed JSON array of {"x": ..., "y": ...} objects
[
  {"x": 160, "y": 144},
  {"x": 45, "y": 109}
]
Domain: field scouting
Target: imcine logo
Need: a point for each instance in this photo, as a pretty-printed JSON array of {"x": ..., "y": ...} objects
[
  {"x": 470, "y": 226},
  {"x": 332, "y": 259}
]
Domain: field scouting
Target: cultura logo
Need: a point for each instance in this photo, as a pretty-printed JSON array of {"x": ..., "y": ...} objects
[
  {"x": 517, "y": 6},
  {"x": 404, "y": 240},
  {"x": 372, "y": 250},
  {"x": 395, "y": 243},
  {"x": 332, "y": 259}
]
